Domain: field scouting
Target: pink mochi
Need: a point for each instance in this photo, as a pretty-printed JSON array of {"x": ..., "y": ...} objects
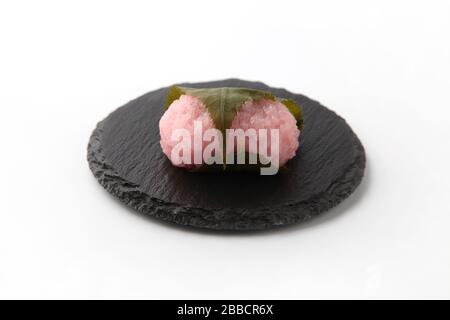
[{"x": 259, "y": 114}]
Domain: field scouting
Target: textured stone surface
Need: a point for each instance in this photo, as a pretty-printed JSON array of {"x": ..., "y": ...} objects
[{"x": 125, "y": 156}]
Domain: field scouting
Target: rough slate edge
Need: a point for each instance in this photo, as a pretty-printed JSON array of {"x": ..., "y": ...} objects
[{"x": 224, "y": 219}]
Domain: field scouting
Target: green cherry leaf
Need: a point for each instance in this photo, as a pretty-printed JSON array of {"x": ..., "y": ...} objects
[{"x": 224, "y": 103}]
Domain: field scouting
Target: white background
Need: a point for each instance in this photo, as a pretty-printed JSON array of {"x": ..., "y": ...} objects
[{"x": 382, "y": 65}]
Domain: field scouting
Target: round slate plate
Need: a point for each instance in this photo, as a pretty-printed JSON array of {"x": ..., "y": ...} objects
[{"x": 125, "y": 156}]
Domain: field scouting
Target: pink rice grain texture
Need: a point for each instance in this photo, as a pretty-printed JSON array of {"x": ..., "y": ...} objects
[
  {"x": 261, "y": 114},
  {"x": 181, "y": 114},
  {"x": 268, "y": 114}
]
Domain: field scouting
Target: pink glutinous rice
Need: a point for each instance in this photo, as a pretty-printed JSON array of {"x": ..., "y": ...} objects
[{"x": 259, "y": 114}]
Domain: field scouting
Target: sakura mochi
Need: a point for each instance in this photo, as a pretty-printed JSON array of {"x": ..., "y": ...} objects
[
  {"x": 229, "y": 126},
  {"x": 149, "y": 154}
]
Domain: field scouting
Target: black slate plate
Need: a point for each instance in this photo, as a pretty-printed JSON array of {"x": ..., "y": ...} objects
[{"x": 125, "y": 156}]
